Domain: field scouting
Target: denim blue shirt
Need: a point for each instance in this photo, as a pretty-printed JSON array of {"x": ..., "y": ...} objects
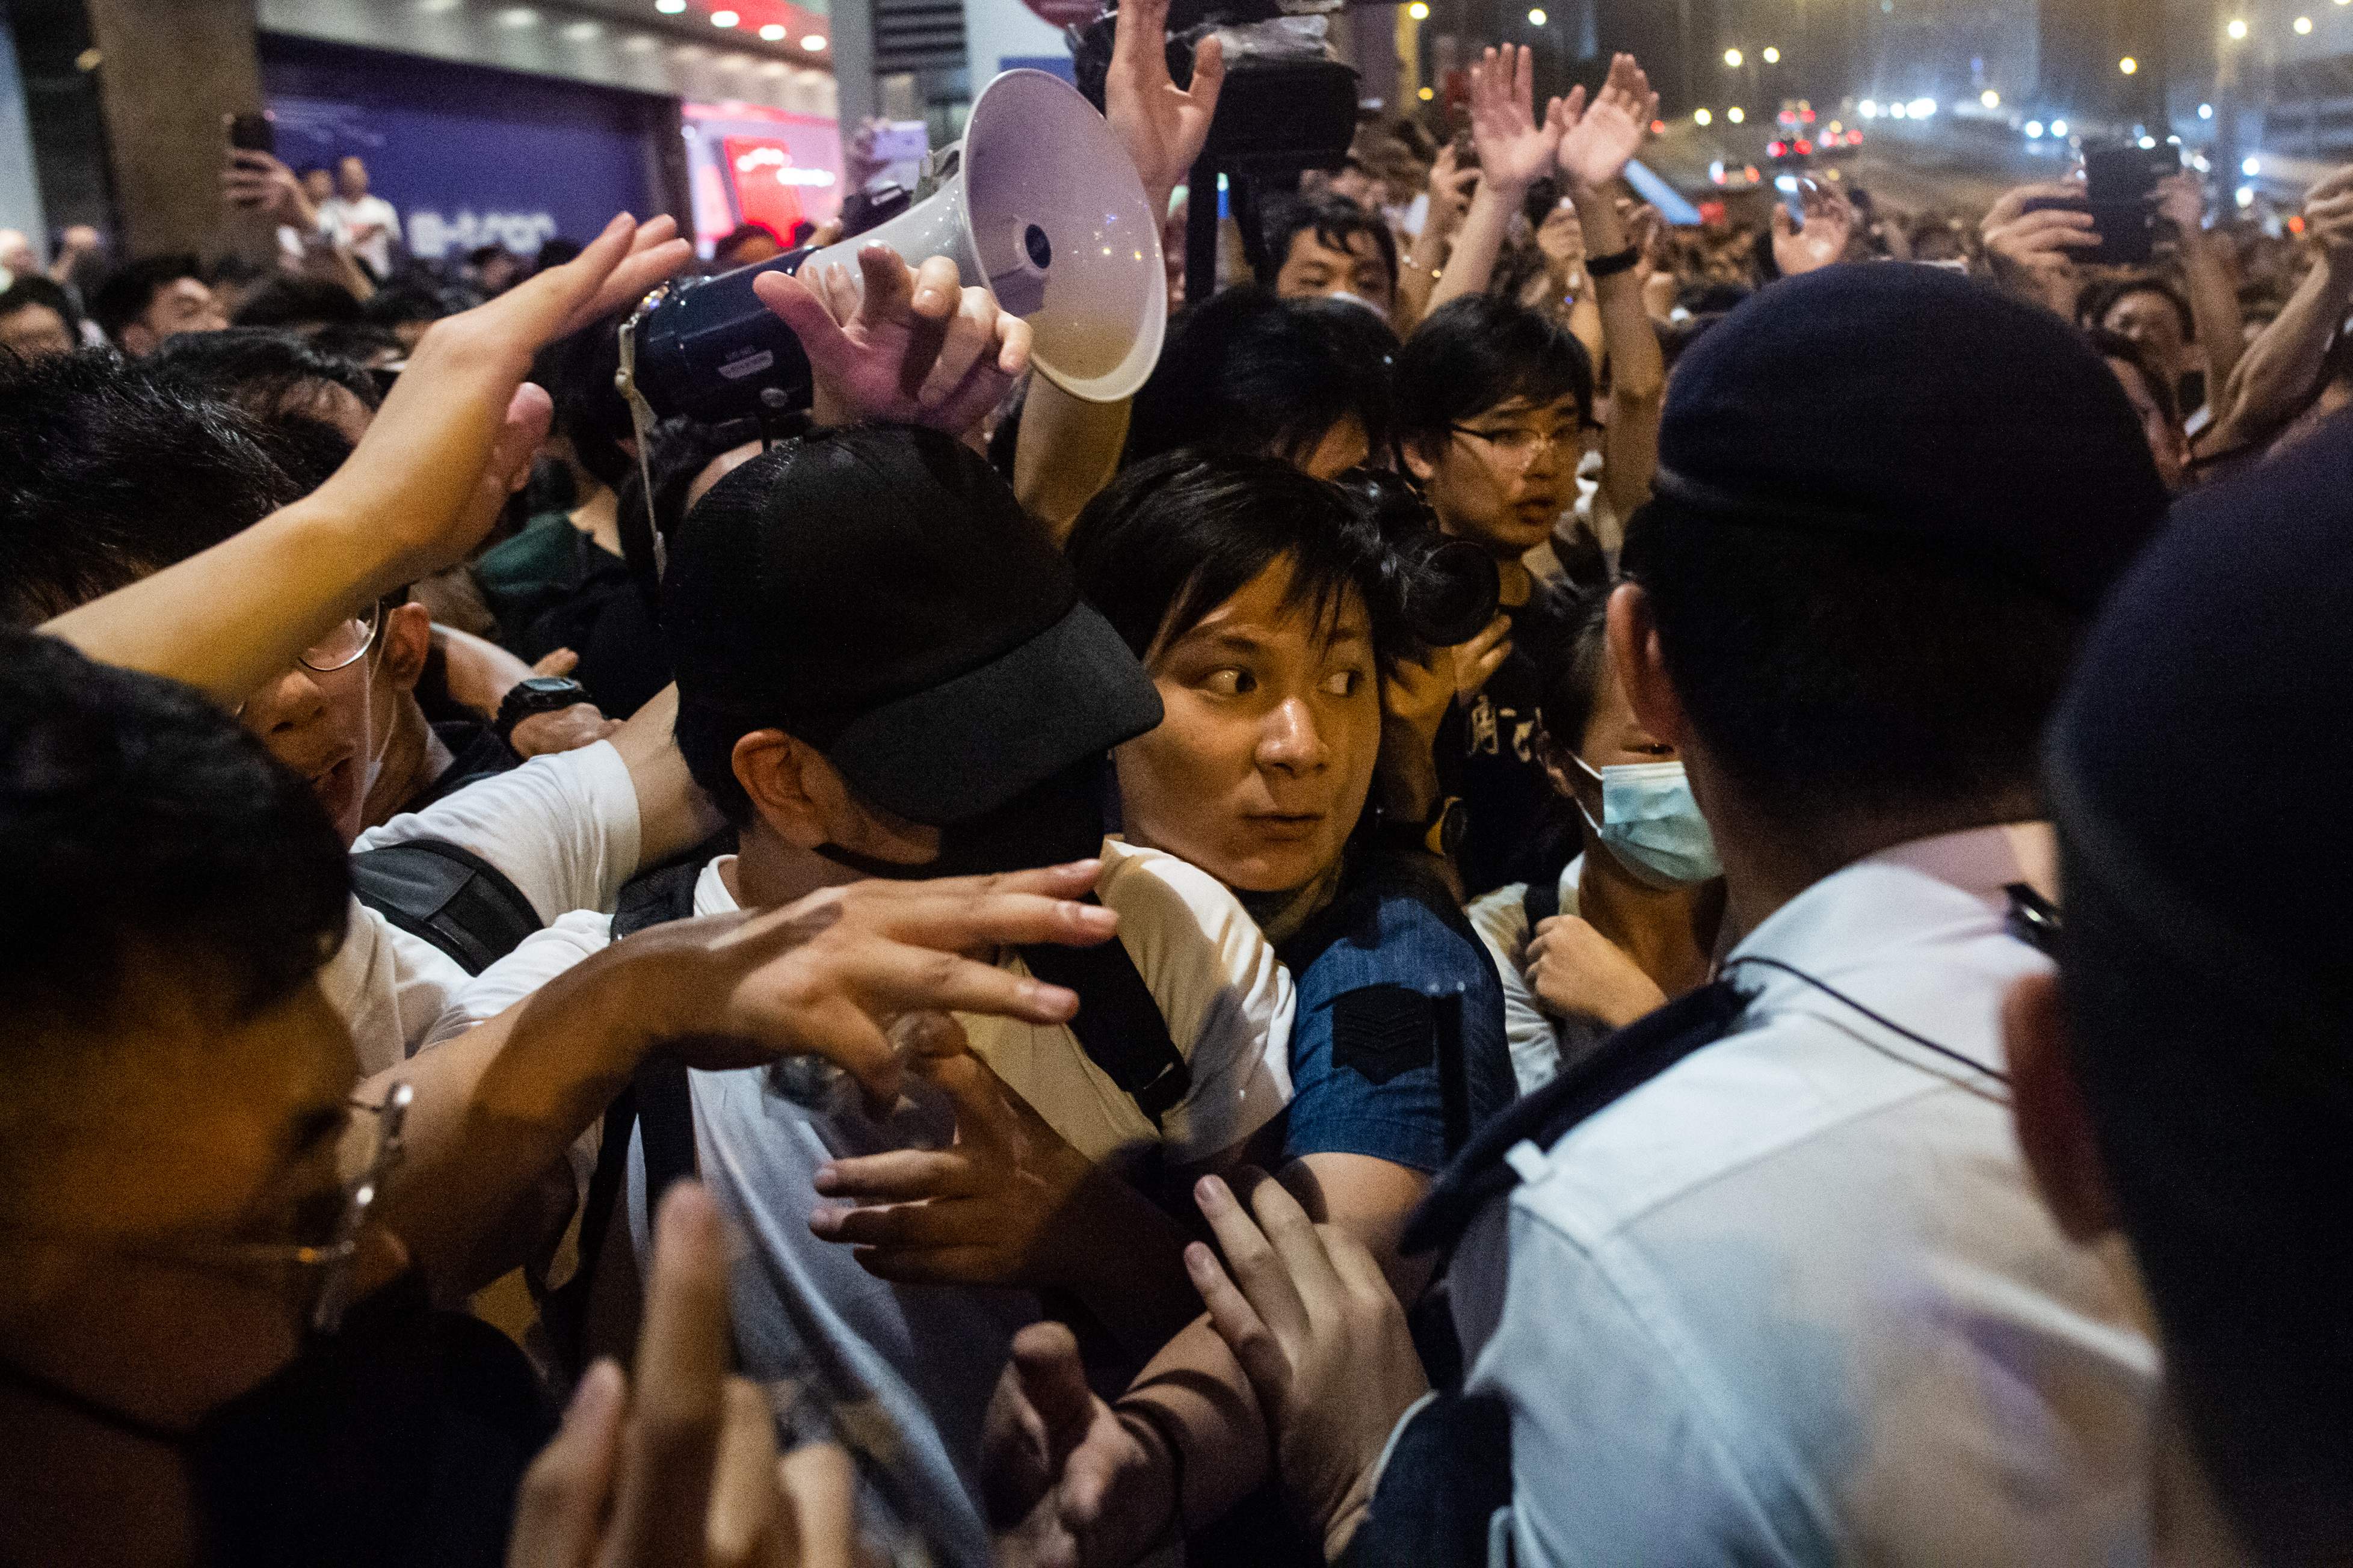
[{"x": 1398, "y": 1048}]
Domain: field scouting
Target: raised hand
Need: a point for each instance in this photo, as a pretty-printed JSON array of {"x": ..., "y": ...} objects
[
  {"x": 1829, "y": 225},
  {"x": 681, "y": 1470},
  {"x": 259, "y": 183},
  {"x": 1161, "y": 125},
  {"x": 2032, "y": 253},
  {"x": 2182, "y": 202},
  {"x": 981, "y": 1211},
  {"x": 1070, "y": 1480},
  {"x": 1514, "y": 148},
  {"x": 913, "y": 347},
  {"x": 458, "y": 426},
  {"x": 1450, "y": 189},
  {"x": 2329, "y": 213},
  {"x": 827, "y": 975},
  {"x": 1603, "y": 136},
  {"x": 1305, "y": 1310}
]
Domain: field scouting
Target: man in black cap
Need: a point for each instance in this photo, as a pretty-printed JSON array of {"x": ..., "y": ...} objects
[
  {"x": 884, "y": 669},
  {"x": 2184, "y": 1078},
  {"x": 1764, "y": 1279}
]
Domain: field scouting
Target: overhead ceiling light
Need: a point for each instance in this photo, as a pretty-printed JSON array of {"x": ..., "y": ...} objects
[
  {"x": 2238, "y": 27},
  {"x": 434, "y": 7},
  {"x": 1990, "y": 99},
  {"x": 1732, "y": 58},
  {"x": 2304, "y": 24},
  {"x": 1537, "y": 17},
  {"x": 774, "y": 32},
  {"x": 518, "y": 16},
  {"x": 670, "y": 7},
  {"x": 1426, "y": 94},
  {"x": 1699, "y": 116},
  {"x": 582, "y": 31},
  {"x": 1418, "y": 11},
  {"x": 1735, "y": 114},
  {"x": 1772, "y": 57},
  {"x": 813, "y": 42},
  {"x": 725, "y": 18},
  {"x": 638, "y": 43}
]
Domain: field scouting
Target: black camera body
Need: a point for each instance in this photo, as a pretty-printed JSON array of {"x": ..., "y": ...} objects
[{"x": 708, "y": 349}]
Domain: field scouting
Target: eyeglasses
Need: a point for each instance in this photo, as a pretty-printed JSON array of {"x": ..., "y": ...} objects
[
  {"x": 345, "y": 645},
  {"x": 1518, "y": 445},
  {"x": 325, "y": 1258}
]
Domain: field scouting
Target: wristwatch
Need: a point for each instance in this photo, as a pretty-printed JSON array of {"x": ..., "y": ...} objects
[
  {"x": 1439, "y": 835},
  {"x": 539, "y": 694}
]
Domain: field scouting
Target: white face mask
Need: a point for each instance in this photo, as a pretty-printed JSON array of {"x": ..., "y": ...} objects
[
  {"x": 1652, "y": 825},
  {"x": 1361, "y": 300}
]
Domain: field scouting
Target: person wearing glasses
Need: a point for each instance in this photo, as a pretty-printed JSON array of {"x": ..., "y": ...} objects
[
  {"x": 220, "y": 1246},
  {"x": 1492, "y": 404}
]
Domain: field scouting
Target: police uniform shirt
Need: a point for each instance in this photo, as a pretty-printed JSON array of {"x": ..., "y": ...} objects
[{"x": 1795, "y": 1300}]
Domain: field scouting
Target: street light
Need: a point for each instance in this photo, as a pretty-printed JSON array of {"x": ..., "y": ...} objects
[
  {"x": 1537, "y": 17},
  {"x": 1426, "y": 94},
  {"x": 1418, "y": 11},
  {"x": 2304, "y": 25},
  {"x": 1735, "y": 114},
  {"x": 1990, "y": 99},
  {"x": 1702, "y": 117},
  {"x": 2237, "y": 29},
  {"x": 1772, "y": 55},
  {"x": 1732, "y": 58},
  {"x": 2129, "y": 65}
]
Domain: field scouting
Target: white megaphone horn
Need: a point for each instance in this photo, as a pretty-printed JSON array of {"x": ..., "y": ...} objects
[{"x": 1043, "y": 208}]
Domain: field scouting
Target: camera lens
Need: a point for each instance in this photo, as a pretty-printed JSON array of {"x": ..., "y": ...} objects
[{"x": 1452, "y": 593}]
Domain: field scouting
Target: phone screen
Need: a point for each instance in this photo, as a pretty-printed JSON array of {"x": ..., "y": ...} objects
[{"x": 253, "y": 133}]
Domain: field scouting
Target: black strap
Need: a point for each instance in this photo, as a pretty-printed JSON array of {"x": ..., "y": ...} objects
[
  {"x": 1619, "y": 1065},
  {"x": 1118, "y": 1023},
  {"x": 449, "y": 897},
  {"x": 1448, "y": 1474},
  {"x": 1540, "y": 903},
  {"x": 659, "y": 1097}
]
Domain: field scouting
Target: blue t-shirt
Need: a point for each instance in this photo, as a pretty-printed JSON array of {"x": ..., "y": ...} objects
[{"x": 1398, "y": 1048}]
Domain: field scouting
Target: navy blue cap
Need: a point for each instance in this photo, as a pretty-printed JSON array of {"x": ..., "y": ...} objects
[
  {"x": 2203, "y": 759},
  {"x": 1905, "y": 403}
]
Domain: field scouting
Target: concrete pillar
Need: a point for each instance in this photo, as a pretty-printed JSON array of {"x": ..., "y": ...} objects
[{"x": 167, "y": 73}]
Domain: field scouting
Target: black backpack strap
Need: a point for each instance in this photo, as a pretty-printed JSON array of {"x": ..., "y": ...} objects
[
  {"x": 1118, "y": 1023},
  {"x": 449, "y": 897},
  {"x": 1540, "y": 903},
  {"x": 657, "y": 1096},
  {"x": 1617, "y": 1067},
  {"x": 1449, "y": 1472}
]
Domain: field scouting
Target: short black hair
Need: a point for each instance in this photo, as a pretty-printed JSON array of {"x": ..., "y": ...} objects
[
  {"x": 1170, "y": 540},
  {"x": 1245, "y": 371},
  {"x": 482, "y": 254},
  {"x": 1570, "y": 670},
  {"x": 2116, "y": 346},
  {"x": 2226, "y": 1139},
  {"x": 138, "y": 820},
  {"x": 1842, "y": 680},
  {"x": 578, "y": 372},
  {"x": 34, "y": 290},
  {"x": 1477, "y": 352},
  {"x": 107, "y": 475},
  {"x": 263, "y": 370},
  {"x": 1334, "y": 222},
  {"x": 402, "y": 303},
  {"x": 2098, "y": 301},
  {"x": 126, "y": 292},
  {"x": 296, "y": 303}
]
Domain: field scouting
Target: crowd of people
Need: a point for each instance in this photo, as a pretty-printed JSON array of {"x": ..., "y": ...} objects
[{"x": 1550, "y": 906}]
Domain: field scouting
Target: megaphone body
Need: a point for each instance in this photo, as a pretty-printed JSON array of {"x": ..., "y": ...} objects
[{"x": 1044, "y": 210}]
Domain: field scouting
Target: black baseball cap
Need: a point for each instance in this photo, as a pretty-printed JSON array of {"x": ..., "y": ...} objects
[
  {"x": 879, "y": 593},
  {"x": 1897, "y": 403}
]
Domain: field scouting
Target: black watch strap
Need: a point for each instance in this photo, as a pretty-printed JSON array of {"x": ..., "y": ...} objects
[
  {"x": 539, "y": 694},
  {"x": 1599, "y": 267}
]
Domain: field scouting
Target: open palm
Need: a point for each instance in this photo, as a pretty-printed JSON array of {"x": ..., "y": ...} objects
[
  {"x": 1610, "y": 130},
  {"x": 1161, "y": 125},
  {"x": 1513, "y": 148}
]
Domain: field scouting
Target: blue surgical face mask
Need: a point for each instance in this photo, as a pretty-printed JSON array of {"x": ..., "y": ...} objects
[{"x": 1652, "y": 825}]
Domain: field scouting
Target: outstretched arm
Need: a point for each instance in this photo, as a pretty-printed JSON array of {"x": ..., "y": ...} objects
[
  {"x": 2280, "y": 367},
  {"x": 422, "y": 486}
]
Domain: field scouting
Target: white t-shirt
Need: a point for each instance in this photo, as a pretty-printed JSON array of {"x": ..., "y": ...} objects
[
  {"x": 932, "y": 1355},
  {"x": 1795, "y": 1300},
  {"x": 1541, "y": 1043},
  {"x": 564, "y": 829},
  {"x": 342, "y": 220}
]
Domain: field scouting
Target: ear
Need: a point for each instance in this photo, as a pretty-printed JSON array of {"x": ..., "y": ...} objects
[
  {"x": 1420, "y": 457},
  {"x": 2055, "y": 1130},
  {"x": 1554, "y": 759},
  {"x": 782, "y": 776},
  {"x": 408, "y": 643},
  {"x": 1640, "y": 667},
  {"x": 137, "y": 340}
]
